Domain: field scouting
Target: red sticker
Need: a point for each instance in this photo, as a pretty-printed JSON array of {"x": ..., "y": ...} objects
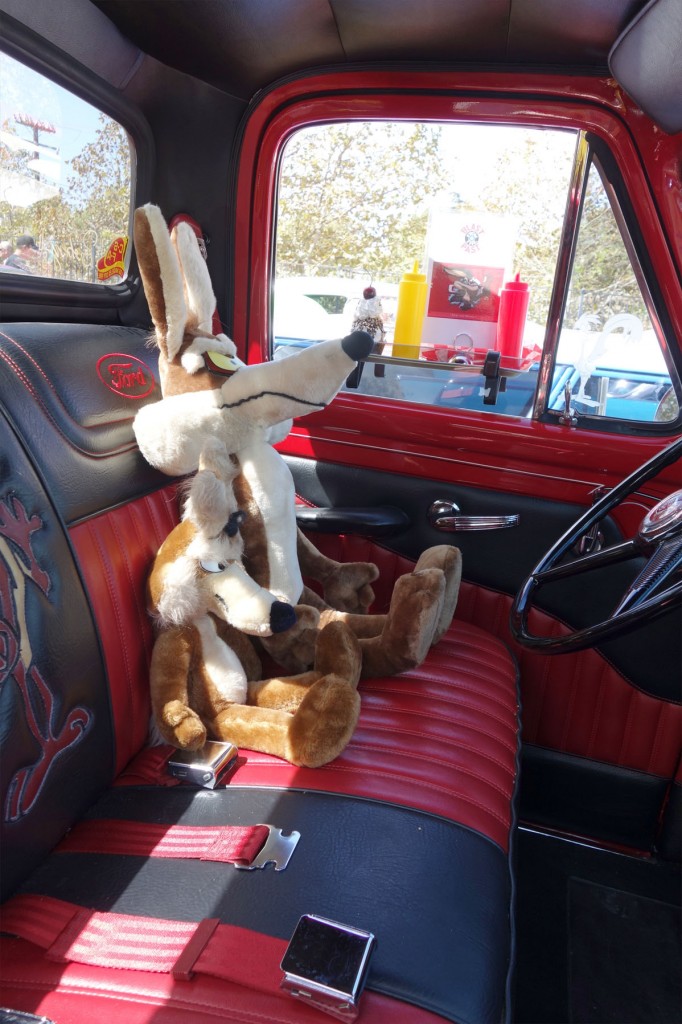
[
  {"x": 126, "y": 375},
  {"x": 113, "y": 263}
]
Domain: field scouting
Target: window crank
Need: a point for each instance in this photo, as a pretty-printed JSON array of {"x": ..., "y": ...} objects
[
  {"x": 447, "y": 516},
  {"x": 593, "y": 540}
]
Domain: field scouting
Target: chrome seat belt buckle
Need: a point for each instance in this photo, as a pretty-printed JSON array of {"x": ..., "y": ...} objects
[
  {"x": 326, "y": 965},
  {"x": 277, "y": 849},
  {"x": 203, "y": 767}
]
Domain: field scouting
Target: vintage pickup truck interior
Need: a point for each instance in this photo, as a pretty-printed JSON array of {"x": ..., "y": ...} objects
[{"x": 501, "y": 838}]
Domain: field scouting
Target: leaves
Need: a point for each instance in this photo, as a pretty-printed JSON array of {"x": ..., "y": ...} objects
[
  {"x": 75, "y": 228},
  {"x": 354, "y": 198},
  {"x": 603, "y": 280}
]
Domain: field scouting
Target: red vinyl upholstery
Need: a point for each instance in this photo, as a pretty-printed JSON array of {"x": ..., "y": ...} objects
[
  {"x": 115, "y": 551},
  {"x": 77, "y": 994},
  {"x": 429, "y": 739},
  {"x": 456, "y": 733},
  {"x": 559, "y": 695}
]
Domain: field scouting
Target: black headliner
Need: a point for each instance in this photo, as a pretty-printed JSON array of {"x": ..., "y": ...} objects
[{"x": 240, "y": 46}]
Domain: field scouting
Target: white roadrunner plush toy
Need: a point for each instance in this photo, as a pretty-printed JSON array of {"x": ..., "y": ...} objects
[
  {"x": 205, "y": 676},
  {"x": 210, "y": 394}
]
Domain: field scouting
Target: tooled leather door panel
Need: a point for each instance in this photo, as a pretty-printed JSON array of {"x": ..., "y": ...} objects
[
  {"x": 78, "y": 414},
  {"x": 54, "y": 710}
]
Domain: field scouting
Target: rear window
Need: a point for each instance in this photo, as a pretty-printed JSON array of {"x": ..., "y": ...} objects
[{"x": 65, "y": 182}]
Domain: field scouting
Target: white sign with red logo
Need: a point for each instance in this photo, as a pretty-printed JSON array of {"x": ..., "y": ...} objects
[{"x": 469, "y": 255}]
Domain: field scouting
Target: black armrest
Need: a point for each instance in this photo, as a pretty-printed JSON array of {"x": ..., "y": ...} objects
[{"x": 380, "y": 521}]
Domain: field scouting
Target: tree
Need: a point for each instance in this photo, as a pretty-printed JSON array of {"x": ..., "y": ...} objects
[
  {"x": 603, "y": 281},
  {"x": 528, "y": 181},
  {"x": 97, "y": 198},
  {"x": 99, "y": 189},
  {"x": 14, "y": 168},
  {"x": 76, "y": 227},
  {"x": 351, "y": 204}
]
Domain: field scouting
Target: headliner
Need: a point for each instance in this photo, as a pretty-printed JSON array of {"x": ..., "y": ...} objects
[{"x": 241, "y": 46}]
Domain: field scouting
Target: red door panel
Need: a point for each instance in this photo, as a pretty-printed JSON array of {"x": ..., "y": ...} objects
[{"x": 593, "y": 732}]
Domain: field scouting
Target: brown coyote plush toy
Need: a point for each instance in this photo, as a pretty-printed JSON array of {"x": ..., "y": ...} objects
[
  {"x": 209, "y": 394},
  {"x": 205, "y": 675}
]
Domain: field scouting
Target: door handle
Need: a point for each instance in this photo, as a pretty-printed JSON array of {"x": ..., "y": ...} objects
[{"x": 446, "y": 516}]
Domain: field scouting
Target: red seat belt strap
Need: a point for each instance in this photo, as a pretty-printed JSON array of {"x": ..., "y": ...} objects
[
  {"x": 223, "y": 843},
  {"x": 72, "y": 934}
]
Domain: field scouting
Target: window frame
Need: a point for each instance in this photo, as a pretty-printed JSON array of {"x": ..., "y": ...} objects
[
  {"x": 592, "y": 151},
  {"x": 44, "y": 58},
  {"x": 588, "y": 106}
]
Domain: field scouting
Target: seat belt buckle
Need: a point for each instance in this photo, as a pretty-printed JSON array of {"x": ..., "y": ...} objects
[
  {"x": 203, "y": 767},
  {"x": 277, "y": 849},
  {"x": 326, "y": 965}
]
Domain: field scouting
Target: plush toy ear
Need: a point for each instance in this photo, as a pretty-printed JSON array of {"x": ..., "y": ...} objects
[
  {"x": 172, "y": 592},
  {"x": 161, "y": 277},
  {"x": 178, "y": 600},
  {"x": 200, "y": 300},
  {"x": 198, "y": 288}
]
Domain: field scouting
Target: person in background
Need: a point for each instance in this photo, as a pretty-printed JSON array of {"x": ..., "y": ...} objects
[{"x": 25, "y": 254}]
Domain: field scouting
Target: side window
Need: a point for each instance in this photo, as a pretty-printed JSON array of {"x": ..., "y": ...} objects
[
  {"x": 462, "y": 222},
  {"x": 65, "y": 182},
  {"x": 443, "y": 241},
  {"x": 609, "y": 363}
]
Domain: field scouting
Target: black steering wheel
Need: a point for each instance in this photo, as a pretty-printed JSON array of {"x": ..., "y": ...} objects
[{"x": 658, "y": 539}]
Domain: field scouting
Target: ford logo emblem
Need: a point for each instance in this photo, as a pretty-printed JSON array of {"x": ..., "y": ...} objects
[{"x": 126, "y": 375}]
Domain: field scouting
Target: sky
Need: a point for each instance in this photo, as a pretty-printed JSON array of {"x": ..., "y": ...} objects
[{"x": 24, "y": 91}]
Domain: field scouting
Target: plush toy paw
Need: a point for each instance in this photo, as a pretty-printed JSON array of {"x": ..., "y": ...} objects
[
  {"x": 324, "y": 722},
  {"x": 181, "y": 726},
  {"x": 408, "y": 631},
  {"x": 338, "y": 653},
  {"x": 294, "y": 650},
  {"x": 347, "y": 587},
  {"x": 449, "y": 560}
]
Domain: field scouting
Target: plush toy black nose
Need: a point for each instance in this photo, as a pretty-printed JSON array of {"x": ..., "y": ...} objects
[
  {"x": 234, "y": 523},
  {"x": 357, "y": 345},
  {"x": 282, "y": 616}
]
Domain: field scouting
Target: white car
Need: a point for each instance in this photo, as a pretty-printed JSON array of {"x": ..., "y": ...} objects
[
  {"x": 300, "y": 300},
  {"x": 298, "y": 318}
]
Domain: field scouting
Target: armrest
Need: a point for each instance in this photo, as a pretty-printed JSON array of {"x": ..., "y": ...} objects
[{"x": 380, "y": 521}]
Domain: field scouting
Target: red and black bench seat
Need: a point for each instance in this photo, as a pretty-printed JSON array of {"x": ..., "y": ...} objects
[{"x": 407, "y": 834}]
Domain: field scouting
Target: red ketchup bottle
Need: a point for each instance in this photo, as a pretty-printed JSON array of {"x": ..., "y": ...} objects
[{"x": 511, "y": 322}]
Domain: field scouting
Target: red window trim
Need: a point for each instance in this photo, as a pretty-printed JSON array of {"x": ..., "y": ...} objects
[
  {"x": 569, "y": 458},
  {"x": 646, "y": 155}
]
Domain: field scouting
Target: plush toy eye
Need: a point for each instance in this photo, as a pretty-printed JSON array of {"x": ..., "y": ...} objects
[
  {"x": 212, "y": 566},
  {"x": 234, "y": 523}
]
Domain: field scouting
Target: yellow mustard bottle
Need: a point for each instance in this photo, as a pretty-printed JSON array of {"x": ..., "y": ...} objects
[{"x": 409, "y": 318}]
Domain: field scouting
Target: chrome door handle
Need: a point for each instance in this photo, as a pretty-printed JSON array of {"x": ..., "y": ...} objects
[{"x": 446, "y": 516}]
